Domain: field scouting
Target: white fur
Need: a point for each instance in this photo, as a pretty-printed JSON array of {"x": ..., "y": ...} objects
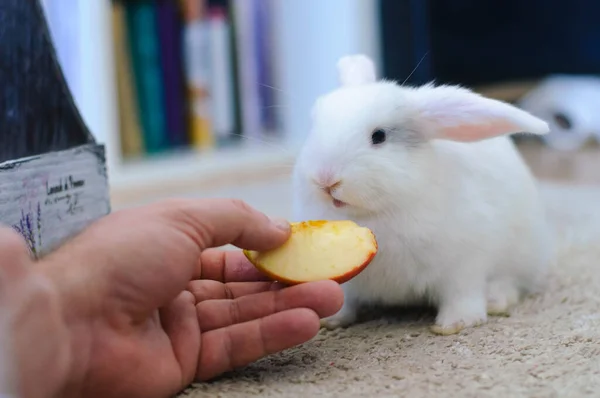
[
  {"x": 356, "y": 70},
  {"x": 454, "y": 208}
]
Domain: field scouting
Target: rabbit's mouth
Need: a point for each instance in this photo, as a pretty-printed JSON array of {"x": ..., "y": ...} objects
[
  {"x": 338, "y": 203},
  {"x": 328, "y": 191}
]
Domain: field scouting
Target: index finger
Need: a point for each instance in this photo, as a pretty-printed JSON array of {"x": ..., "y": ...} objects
[{"x": 227, "y": 266}]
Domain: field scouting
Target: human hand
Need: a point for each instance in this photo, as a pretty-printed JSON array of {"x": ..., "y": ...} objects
[
  {"x": 244, "y": 317},
  {"x": 34, "y": 341},
  {"x": 137, "y": 332}
]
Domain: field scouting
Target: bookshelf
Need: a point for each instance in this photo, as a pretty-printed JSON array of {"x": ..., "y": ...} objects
[{"x": 306, "y": 39}]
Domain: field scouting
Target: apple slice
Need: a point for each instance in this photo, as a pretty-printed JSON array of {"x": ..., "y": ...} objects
[{"x": 318, "y": 250}]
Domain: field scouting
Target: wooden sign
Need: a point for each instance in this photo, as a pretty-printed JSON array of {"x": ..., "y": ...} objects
[{"x": 53, "y": 180}]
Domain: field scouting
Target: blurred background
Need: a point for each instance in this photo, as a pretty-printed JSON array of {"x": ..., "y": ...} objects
[{"x": 212, "y": 97}]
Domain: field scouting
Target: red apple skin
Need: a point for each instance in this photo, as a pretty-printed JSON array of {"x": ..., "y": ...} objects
[{"x": 339, "y": 279}]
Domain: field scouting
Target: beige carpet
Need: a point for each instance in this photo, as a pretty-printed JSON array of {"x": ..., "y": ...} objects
[{"x": 549, "y": 347}]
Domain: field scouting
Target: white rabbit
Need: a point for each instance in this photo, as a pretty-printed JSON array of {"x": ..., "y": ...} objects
[{"x": 432, "y": 172}]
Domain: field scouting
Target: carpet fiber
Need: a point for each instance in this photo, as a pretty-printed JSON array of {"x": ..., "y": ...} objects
[{"x": 548, "y": 347}]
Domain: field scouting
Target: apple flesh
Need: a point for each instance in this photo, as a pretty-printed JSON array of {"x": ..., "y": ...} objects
[{"x": 318, "y": 250}]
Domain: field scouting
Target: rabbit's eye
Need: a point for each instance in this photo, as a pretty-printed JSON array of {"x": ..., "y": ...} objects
[
  {"x": 563, "y": 121},
  {"x": 378, "y": 137}
]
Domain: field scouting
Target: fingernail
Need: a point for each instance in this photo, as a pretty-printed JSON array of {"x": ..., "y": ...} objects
[{"x": 282, "y": 224}]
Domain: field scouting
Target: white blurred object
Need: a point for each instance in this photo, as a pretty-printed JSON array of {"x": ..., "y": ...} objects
[{"x": 571, "y": 106}]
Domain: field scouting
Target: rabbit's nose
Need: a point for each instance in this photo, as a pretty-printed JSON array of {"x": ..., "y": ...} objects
[
  {"x": 327, "y": 181},
  {"x": 330, "y": 187}
]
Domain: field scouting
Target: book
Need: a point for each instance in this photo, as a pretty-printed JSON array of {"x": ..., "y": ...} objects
[
  {"x": 265, "y": 74},
  {"x": 236, "y": 78},
  {"x": 244, "y": 19},
  {"x": 129, "y": 123},
  {"x": 196, "y": 50},
  {"x": 222, "y": 98},
  {"x": 170, "y": 27},
  {"x": 145, "y": 52}
]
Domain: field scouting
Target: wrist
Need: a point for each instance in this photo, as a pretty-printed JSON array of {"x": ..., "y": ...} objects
[{"x": 63, "y": 284}]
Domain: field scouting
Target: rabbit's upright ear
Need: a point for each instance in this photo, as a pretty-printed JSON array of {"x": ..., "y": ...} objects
[
  {"x": 355, "y": 70},
  {"x": 458, "y": 114}
]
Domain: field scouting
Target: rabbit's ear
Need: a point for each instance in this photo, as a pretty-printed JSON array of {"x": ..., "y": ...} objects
[
  {"x": 458, "y": 114},
  {"x": 355, "y": 70}
]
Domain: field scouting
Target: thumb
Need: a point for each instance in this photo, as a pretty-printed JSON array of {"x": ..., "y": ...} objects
[
  {"x": 14, "y": 257},
  {"x": 218, "y": 222}
]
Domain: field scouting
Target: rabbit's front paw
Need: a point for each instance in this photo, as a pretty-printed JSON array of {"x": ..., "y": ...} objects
[
  {"x": 501, "y": 297},
  {"x": 457, "y": 315}
]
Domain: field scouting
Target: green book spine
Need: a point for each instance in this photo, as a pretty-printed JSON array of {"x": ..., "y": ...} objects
[{"x": 145, "y": 49}]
